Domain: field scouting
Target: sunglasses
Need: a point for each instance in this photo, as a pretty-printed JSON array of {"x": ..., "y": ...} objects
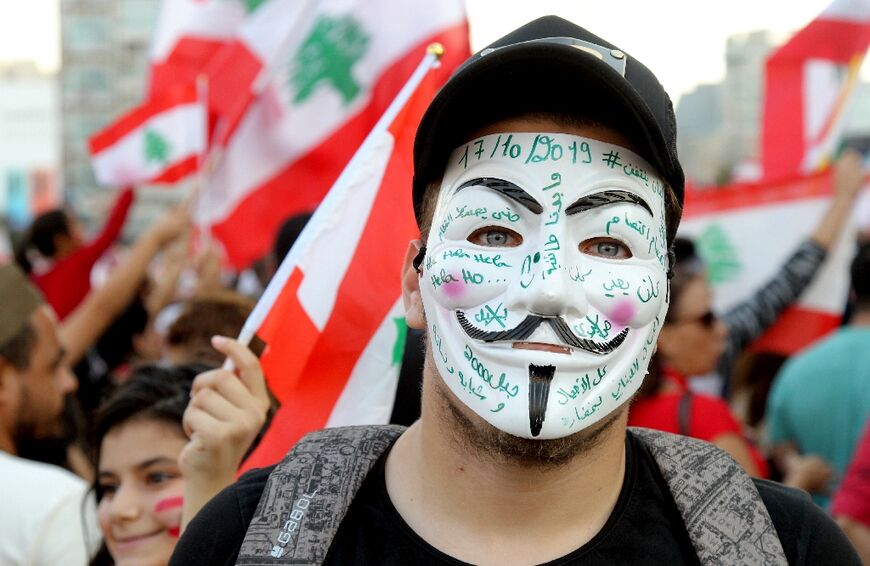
[{"x": 707, "y": 320}]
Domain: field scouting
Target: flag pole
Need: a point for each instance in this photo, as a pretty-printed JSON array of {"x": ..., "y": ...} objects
[
  {"x": 201, "y": 162},
  {"x": 335, "y": 196}
]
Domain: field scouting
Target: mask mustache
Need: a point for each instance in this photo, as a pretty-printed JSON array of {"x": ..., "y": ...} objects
[{"x": 524, "y": 329}]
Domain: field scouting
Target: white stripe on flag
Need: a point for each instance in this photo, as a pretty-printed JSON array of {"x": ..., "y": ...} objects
[
  {"x": 210, "y": 19},
  {"x": 325, "y": 263},
  {"x": 368, "y": 396}
]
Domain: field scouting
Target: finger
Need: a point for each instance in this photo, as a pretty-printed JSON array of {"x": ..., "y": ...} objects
[
  {"x": 206, "y": 428},
  {"x": 226, "y": 384},
  {"x": 216, "y": 405},
  {"x": 247, "y": 363}
]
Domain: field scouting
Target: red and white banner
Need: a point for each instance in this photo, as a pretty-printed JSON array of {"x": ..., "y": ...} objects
[
  {"x": 808, "y": 82},
  {"x": 745, "y": 233},
  {"x": 337, "y": 67},
  {"x": 188, "y": 34},
  {"x": 332, "y": 317},
  {"x": 160, "y": 141}
]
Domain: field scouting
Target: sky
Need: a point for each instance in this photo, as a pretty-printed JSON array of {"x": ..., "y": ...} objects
[{"x": 682, "y": 41}]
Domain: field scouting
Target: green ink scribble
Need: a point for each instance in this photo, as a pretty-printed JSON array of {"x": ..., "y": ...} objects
[
  {"x": 717, "y": 251},
  {"x": 401, "y": 336},
  {"x": 252, "y": 5},
  {"x": 156, "y": 147},
  {"x": 327, "y": 56}
]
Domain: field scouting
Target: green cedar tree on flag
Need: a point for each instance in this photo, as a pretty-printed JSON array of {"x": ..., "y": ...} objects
[{"x": 294, "y": 96}]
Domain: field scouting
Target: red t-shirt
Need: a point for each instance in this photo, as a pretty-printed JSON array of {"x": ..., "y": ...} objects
[
  {"x": 853, "y": 497},
  {"x": 709, "y": 418},
  {"x": 68, "y": 281}
]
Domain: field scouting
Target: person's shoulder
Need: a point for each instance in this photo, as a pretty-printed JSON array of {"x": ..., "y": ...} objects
[
  {"x": 215, "y": 534},
  {"x": 807, "y": 534},
  {"x": 37, "y": 478}
]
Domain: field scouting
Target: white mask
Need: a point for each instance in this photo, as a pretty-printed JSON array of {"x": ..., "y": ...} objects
[{"x": 566, "y": 228}]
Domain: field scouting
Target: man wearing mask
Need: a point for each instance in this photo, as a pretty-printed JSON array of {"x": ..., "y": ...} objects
[{"x": 547, "y": 190}]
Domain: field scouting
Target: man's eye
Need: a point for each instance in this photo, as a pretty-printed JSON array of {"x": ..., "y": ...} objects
[
  {"x": 494, "y": 236},
  {"x": 605, "y": 247}
]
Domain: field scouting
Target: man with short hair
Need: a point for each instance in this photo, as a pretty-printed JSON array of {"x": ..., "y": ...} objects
[
  {"x": 548, "y": 190},
  {"x": 819, "y": 402},
  {"x": 43, "y": 508}
]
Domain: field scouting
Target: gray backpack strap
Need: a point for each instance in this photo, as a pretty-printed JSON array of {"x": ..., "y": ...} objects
[
  {"x": 723, "y": 512},
  {"x": 309, "y": 492}
]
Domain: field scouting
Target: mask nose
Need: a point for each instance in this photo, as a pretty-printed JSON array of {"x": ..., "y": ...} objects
[{"x": 548, "y": 290}]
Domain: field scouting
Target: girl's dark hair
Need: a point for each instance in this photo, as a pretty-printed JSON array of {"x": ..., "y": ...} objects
[
  {"x": 152, "y": 392},
  {"x": 687, "y": 266},
  {"x": 41, "y": 234}
]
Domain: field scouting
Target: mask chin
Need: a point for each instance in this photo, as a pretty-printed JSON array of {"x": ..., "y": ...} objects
[{"x": 535, "y": 393}]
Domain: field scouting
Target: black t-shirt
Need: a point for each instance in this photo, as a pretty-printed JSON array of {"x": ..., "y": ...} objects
[{"x": 645, "y": 526}]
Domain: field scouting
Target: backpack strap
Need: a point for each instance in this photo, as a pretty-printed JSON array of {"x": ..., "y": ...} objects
[
  {"x": 684, "y": 412},
  {"x": 307, "y": 495},
  {"x": 723, "y": 512}
]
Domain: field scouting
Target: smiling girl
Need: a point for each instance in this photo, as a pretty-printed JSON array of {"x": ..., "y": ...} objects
[{"x": 166, "y": 442}]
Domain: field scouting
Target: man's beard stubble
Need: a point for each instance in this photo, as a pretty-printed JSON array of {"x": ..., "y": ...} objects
[{"x": 469, "y": 432}]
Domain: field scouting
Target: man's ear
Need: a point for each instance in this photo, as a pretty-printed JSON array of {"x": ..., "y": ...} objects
[{"x": 414, "y": 314}]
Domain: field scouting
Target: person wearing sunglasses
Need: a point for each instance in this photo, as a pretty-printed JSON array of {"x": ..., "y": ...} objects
[{"x": 691, "y": 342}]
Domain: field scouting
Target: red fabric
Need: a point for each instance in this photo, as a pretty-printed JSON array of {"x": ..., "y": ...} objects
[
  {"x": 69, "y": 280},
  {"x": 709, "y": 417},
  {"x": 853, "y": 497}
]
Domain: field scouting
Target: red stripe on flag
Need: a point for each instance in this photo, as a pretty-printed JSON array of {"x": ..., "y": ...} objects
[
  {"x": 700, "y": 202},
  {"x": 248, "y": 231},
  {"x": 186, "y": 61},
  {"x": 782, "y": 131},
  {"x": 367, "y": 293},
  {"x": 796, "y": 329},
  {"x": 290, "y": 335},
  {"x": 177, "y": 171},
  {"x": 231, "y": 75},
  {"x": 183, "y": 94},
  {"x": 834, "y": 40}
]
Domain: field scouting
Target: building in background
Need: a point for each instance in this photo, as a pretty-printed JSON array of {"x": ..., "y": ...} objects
[
  {"x": 104, "y": 55},
  {"x": 719, "y": 125},
  {"x": 29, "y": 136}
]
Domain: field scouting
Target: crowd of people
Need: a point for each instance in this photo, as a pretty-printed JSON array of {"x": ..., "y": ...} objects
[{"x": 127, "y": 406}]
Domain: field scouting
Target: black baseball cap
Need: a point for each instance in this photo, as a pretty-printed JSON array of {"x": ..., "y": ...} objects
[{"x": 549, "y": 65}]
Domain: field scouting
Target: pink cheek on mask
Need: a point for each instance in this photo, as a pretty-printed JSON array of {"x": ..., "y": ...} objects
[
  {"x": 622, "y": 313},
  {"x": 454, "y": 290}
]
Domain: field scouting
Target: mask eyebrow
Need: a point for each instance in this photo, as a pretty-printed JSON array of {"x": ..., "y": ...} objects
[
  {"x": 506, "y": 188},
  {"x": 605, "y": 198}
]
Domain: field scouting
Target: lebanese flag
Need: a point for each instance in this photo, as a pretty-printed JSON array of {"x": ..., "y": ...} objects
[
  {"x": 314, "y": 111},
  {"x": 160, "y": 141},
  {"x": 725, "y": 224},
  {"x": 808, "y": 83},
  {"x": 188, "y": 34},
  {"x": 332, "y": 317}
]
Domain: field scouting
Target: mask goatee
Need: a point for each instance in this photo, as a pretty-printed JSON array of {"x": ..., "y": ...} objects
[{"x": 539, "y": 391}]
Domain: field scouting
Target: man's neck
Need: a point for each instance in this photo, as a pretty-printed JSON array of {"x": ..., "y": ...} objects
[
  {"x": 482, "y": 511},
  {"x": 861, "y": 318}
]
